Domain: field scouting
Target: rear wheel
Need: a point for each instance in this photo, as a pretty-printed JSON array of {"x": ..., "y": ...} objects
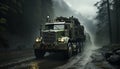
[
  {"x": 81, "y": 46},
  {"x": 77, "y": 49},
  {"x": 39, "y": 54}
]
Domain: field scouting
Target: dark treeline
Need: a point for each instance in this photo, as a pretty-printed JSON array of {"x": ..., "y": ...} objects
[
  {"x": 20, "y": 21},
  {"x": 104, "y": 28}
]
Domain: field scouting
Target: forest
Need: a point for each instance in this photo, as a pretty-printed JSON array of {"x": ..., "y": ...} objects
[
  {"x": 20, "y": 21},
  {"x": 108, "y": 26}
]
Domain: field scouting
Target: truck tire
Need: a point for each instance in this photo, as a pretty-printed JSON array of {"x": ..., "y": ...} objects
[
  {"x": 69, "y": 51},
  {"x": 81, "y": 46},
  {"x": 39, "y": 54},
  {"x": 77, "y": 49}
]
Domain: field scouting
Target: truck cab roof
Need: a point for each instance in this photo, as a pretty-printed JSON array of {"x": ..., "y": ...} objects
[{"x": 55, "y": 23}]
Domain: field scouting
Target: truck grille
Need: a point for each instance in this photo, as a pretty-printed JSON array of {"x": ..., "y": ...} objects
[{"x": 49, "y": 37}]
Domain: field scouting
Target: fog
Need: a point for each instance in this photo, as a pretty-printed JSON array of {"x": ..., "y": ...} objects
[
  {"x": 61, "y": 8},
  {"x": 22, "y": 32}
]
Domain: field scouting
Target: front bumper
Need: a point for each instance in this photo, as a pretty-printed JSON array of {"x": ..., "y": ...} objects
[{"x": 51, "y": 47}]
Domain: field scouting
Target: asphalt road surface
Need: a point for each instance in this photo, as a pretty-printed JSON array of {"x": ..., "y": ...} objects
[
  {"x": 56, "y": 61},
  {"x": 50, "y": 61}
]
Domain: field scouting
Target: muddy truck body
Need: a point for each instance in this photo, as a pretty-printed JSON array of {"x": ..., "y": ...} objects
[{"x": 64, "y": 35}]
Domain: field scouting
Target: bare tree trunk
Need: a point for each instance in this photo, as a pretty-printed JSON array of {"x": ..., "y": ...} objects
[
  {"x": 117, "y": 21},
  {"x": 109, "y": 21}
]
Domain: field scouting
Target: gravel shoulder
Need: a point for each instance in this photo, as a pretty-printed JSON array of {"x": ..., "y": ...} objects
[{"x": 98, "y": 59}]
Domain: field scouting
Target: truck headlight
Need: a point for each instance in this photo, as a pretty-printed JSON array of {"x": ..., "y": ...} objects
[
  {"x": 38, "y": 39},
  {"x": 61, "y": 39}
]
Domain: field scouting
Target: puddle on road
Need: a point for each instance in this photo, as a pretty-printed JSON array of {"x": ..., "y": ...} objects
[{"x": 34, "y": 65}]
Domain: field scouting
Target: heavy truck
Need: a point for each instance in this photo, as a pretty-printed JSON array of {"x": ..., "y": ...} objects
[{"x": 63, "y": 34}]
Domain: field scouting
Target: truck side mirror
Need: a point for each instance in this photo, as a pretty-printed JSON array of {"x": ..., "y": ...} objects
[{"x": 41, "y": 28}]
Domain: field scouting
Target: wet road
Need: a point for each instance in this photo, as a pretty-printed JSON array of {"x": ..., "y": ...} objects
[
  {"x": 50, "y": 61},
  {"x": 58, "y": 61}
]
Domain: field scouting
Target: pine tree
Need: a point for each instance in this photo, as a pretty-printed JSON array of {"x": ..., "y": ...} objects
[{"x": 102, "y": 25}]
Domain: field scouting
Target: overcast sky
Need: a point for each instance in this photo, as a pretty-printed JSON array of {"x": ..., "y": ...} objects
[{"x": 85, "y": 7}]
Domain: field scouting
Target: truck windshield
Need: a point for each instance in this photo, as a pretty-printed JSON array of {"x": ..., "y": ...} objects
[{"x": 54, "y": 27}]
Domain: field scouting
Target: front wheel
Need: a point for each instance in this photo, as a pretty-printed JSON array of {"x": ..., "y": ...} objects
[
  {"x": 69, "y": 52},
  {"x": 39, "y": 54}
]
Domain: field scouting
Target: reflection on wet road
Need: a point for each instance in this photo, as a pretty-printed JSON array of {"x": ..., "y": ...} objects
[{"x": 49, "y": 62}]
